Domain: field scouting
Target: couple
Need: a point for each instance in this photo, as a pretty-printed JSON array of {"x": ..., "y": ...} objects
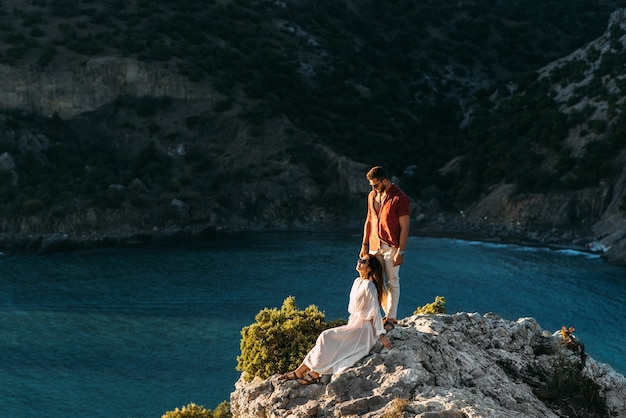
[{"x": 385, "y": 236}]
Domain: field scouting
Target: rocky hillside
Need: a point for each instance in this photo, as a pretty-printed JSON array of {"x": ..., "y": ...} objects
[
  {"x": 127, "y": 120},
  {"x": 441, "y": 366},
  {"x": 577, "y": 179}
]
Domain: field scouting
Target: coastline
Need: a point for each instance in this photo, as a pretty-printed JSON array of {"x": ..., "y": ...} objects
[
  {"x": 552, "y": 239},
  {"x": 521, "y": 241},
  {"x": 60, "y": 242}
]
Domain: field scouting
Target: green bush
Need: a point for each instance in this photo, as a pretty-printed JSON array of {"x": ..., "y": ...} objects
[
  {"x": 65, "y": 8},
  {"x": 109, "y": 199},
  {"x": 32, "y": 206},
  {"x": 279, "y": 340},
  {"x": 147, "y": 106},
  {"x": 566, "y": 389},
  {"x": 195, "y": 411},
  {"x": 436, "y": 307},
  {"x": 46, "y": 56}
]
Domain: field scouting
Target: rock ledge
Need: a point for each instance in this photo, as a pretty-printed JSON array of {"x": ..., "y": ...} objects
[{"x": 441, "y": 366}]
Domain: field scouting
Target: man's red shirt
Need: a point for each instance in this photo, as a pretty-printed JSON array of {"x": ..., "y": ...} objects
[{"x": 395, "y": 205}]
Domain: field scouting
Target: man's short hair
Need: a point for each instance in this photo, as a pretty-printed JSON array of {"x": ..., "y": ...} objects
[{"x": 377, "y": 173}]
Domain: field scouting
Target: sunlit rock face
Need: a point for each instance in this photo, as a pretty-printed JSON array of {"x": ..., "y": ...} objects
[{"x": 85, "y": 86}]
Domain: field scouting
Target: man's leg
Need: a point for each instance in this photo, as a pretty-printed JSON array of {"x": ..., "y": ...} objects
[{"x": 392, "y": 279}]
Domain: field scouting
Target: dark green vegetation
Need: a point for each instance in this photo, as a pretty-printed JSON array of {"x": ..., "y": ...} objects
[
  {"x": 77, "y": 163},
  {"x": 563, "y": 388},
  {"x": 567, "y": 390},
  {"x": 389, "y": 82}
]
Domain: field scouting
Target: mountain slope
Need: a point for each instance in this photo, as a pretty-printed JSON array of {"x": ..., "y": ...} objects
[
  {"x": 554, "y": 150},
  {"x": 136, "y": 116}
]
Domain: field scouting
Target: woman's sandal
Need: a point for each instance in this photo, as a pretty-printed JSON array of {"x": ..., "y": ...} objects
[
  {"x": 289, "y": 376},
  {"x": 308, "y": 379},
  {"x": 389, "y": 326}
]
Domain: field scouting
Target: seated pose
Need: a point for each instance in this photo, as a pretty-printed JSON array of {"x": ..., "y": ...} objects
[{"x": 338, "y": 348}]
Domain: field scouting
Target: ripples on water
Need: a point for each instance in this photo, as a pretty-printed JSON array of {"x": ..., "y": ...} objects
[{"x": 138, "y": 332}]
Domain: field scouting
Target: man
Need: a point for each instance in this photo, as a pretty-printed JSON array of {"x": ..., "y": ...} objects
[{"x": 386, "y": 233}]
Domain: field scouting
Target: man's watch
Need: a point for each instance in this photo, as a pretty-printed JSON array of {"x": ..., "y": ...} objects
[{"x": 401, "y": 252}]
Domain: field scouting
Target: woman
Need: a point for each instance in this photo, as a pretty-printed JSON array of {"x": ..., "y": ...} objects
[{"x": 338, "y": 348}]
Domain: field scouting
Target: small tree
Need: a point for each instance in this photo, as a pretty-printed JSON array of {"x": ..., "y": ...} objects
[
  {"x": 436, "y": 307},
  {"x": 32, "y": 206},
  {"x": 196, "y": 411},
  {"x": 279, "y": 340}
]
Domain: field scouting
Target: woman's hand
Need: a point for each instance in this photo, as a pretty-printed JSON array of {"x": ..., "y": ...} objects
[{"x": 386, "y": 342}]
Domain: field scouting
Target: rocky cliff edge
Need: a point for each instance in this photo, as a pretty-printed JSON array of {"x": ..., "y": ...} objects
[{"x": 442, "y": 366}]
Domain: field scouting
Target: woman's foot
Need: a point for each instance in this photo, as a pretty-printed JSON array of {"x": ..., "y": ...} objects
[
  {"x": 308, "y": 379},
  {"x": 290, "y": 376}
]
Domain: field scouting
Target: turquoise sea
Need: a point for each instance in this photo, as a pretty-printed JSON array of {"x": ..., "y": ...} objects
[{"x": 136, "y": 332}]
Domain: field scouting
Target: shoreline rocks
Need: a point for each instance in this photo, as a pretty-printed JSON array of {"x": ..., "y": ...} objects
[
  {"x": 59, "y": 242},
  {"x": 125, "y": 227},
  {"x": 450, "y": 228}
]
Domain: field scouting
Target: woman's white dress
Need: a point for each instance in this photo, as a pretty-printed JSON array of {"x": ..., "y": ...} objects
[{"x": 338, "y": 348}]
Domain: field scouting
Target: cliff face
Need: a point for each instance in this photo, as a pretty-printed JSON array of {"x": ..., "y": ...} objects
[
  {"x": 461, "y": 365},
  {"x": 84, "y": 87}
]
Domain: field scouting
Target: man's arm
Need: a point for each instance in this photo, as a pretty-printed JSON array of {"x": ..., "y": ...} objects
[
  {"x": 404, "y": 231},
  {"x": 404, "y": 222}
]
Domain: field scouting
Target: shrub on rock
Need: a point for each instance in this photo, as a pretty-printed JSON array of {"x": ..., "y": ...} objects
[
  {"x": 436, "y": 307},
  {"x": 279, "y": 339},
  {"x": 196, "y": 411}
]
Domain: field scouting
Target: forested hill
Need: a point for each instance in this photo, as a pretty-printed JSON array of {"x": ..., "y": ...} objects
[{"x": 129, "y": 117}]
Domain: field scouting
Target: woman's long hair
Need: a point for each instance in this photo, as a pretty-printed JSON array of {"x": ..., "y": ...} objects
[{"x": 376, "y": 275}]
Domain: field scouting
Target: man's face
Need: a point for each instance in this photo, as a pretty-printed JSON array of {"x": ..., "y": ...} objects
[{"x": 378, "y": 185}]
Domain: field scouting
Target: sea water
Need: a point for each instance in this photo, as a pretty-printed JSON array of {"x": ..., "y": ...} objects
[{"x": 137, "y": 332}]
